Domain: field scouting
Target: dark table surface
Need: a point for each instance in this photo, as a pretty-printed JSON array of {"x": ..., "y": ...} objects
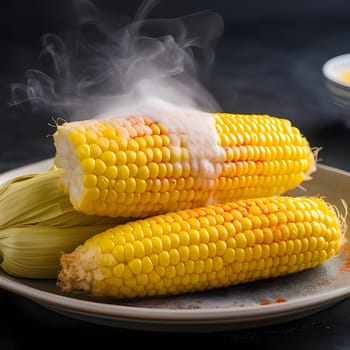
[{"x": 263, "y": 64}]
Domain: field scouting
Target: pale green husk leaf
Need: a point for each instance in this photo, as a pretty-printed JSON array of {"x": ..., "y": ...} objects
[{"x": 38, "y": 223}]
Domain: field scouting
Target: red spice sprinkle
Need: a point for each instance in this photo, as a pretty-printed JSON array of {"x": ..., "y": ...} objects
[
  {"x": 281, "y": 300},
  {"x": 346, "y": 265},
  {"x": 278, "y": 300},
  {"x": 345, "y": 248}
]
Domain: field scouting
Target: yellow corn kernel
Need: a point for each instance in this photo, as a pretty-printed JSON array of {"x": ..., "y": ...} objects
[
  {"x": 189, "y": 256},
  {"x": 171, "y": 168}
]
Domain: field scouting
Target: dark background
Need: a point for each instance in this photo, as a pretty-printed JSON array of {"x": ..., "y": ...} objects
[{"x": 268, "y": 60}]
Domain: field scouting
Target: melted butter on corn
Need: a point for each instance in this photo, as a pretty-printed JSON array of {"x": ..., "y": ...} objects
[
  {"x": 141, "y": 165},
  {"x": 205, "y": 248}
]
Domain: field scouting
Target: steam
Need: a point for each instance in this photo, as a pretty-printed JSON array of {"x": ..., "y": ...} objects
[{"x": 103, "y": 65}]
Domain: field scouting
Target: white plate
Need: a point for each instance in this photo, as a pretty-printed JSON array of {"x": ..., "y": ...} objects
[{"x": 255, "y": 304}]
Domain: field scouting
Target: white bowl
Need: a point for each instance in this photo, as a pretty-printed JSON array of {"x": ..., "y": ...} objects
[{"x": 338, "y": 88}]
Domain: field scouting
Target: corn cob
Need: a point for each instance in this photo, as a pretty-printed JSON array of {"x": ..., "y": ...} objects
[
  {"x": 205, "y": 248},
  {"x": 137, "y": 166}
]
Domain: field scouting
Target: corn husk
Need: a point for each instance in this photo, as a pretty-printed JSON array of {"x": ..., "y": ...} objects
[{"x": 38, "y": 224}]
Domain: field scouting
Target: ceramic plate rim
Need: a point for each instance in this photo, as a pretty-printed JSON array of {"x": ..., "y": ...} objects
[
  {"x": 146, "y": 313},
  {"x": 149, "y": 313}
]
